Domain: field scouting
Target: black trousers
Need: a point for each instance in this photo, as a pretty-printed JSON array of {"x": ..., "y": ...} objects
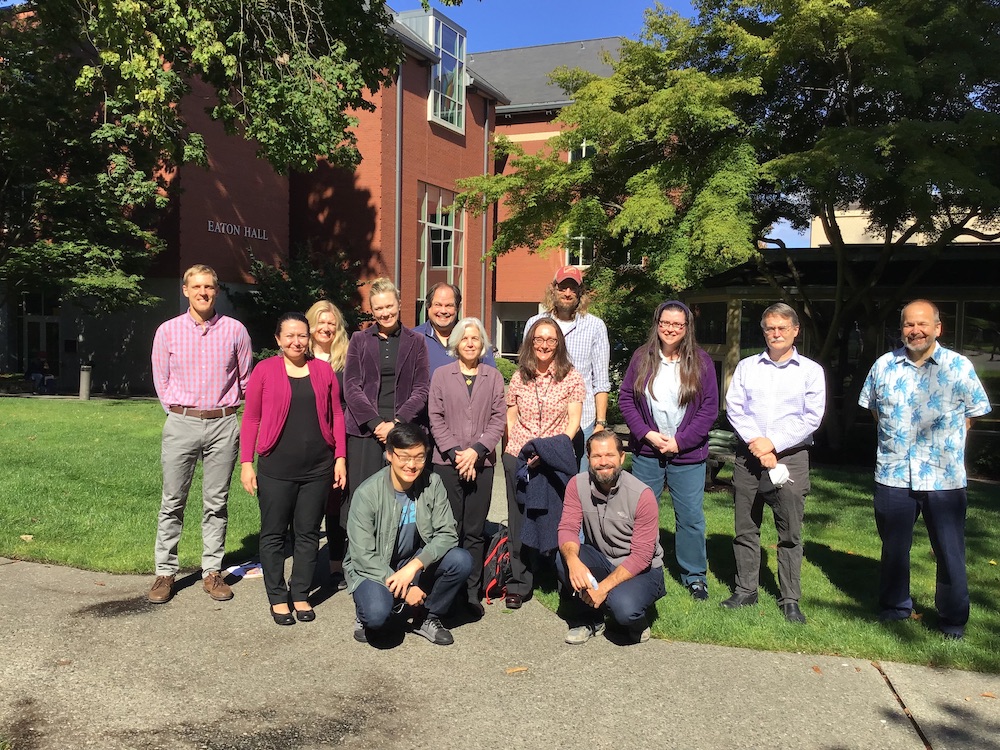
[
  {"x": 365, "y": 457},
  {"x": 336, "y": 524},
  {"x": 300, "y": 504},
  {"x": 522, "y": 578},
  {"x": 470, "y": 502}
]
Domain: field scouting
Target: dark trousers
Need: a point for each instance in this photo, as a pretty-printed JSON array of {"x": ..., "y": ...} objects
[
  {"x": 441, "y": 582},
  {"x": 336, "y": 532},
  {"x": 470, "y": 502},
  {"x": 751, "y": 491},
  {"x": 365, "y": 456},
  {"x": 896, "y": 512},
  {"x": 300, "y": 504},
  {"x": 521, "y": 578},
  {"x": 627, "y": 602}
]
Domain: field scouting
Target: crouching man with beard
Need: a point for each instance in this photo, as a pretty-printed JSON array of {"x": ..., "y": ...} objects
[{"x": 619, "y": 564}]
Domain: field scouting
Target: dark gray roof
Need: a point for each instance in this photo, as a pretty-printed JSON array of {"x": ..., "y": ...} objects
[{"x": 522, "y": 73}]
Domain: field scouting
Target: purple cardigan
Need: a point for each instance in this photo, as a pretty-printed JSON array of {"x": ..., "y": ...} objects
[
  {"x": 692, "y": 434},
  {"x": 268, "y": 397},
  {"x": 361, "y": 379},
  {"x": 459, "y": 420}
]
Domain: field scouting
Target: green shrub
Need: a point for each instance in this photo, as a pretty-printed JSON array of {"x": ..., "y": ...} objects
[{"x": 506, "y": 368}]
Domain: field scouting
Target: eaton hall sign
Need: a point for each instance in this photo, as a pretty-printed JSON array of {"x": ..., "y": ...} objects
[{"x": 237, "y": 230}]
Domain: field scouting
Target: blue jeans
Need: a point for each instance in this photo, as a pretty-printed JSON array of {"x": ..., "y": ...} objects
[
  {"x": 442, "y": 582},
  {"x": 896, "y": 511},
  {"x": 627, "y": 602},
  {"x": 587, "y": 432},
  {"x": 686, "y": 485}
]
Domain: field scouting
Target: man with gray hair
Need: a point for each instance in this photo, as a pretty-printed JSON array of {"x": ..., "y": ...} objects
[{"x": 775, "y": 403}]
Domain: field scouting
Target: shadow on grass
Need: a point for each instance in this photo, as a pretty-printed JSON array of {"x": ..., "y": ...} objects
[
  {"x": 722, "y": 563},
  {"x": 855, "y": 576}
]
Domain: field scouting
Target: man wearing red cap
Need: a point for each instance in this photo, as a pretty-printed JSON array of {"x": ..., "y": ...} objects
[{"x": 587, "y": 344}]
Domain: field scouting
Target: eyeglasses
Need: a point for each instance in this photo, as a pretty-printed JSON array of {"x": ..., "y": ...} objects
[
  {"x": 670, "y": 325},
  {"x": 540, "y": 341},
  {"x": 410, "y": 460},
  {"x": 777, "y": 329}
]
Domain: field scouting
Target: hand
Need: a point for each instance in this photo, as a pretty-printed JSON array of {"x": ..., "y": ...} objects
[
  {"x": 579, "y": 574},
  {"x": 768, "y": 460},
  {"x": 598, "y": 428},
  {"x": 594, "y": 597},
  {"x": 415, "y": 596},
  {"x": 465, "y": 462},
  {"x": 760, "y": 446},
  {"x": 248, "y": 478},
  {"x": 400, "y": 581},
  {"x": 670, "y": 446},
  {"x": 383, "y": 430},
  {"x": 340, "y": 473},
  {"x": 657, "y": 440},
  {"x": 534, "y": 461}
]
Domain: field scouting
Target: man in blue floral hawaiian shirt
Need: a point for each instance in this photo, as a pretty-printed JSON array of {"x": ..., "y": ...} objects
[{"x": 924, "y": 398}]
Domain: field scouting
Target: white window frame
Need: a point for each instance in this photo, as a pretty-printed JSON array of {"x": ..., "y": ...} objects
[
  {"x": 435, "y": 203},
  {"x": 579, "y": 251},
  {"x": 445, "y": 107}
]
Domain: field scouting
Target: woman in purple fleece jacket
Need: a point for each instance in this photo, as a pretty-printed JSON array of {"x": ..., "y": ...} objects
[
  {"x": 670, "y": 400},
  {"x": 293, "y": 421}
]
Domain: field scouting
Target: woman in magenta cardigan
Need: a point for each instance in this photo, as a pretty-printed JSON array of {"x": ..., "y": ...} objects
[
  {"x": 293, "y": 421},
  {"x": 670, "y": 400},
  {"x": 467, "y": 413}
]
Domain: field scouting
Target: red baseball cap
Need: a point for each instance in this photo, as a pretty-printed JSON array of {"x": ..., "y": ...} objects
[{"x": 569, "y": 272}]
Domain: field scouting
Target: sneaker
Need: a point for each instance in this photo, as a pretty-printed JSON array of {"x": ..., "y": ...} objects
[
  {"x": 698, "y": 590},
  {"x": 216, "y": 588},
  {"x": 580, "y": 634},
  {"x": 639, "y": 634},
  {"x": 432, "y": 629},
  {"x": 359, "y": 632},
  {"x": 162, "y": 590}
]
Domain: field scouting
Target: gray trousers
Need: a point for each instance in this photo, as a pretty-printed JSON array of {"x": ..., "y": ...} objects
[
  {"x": 185, "y": 440},
  {"x": 751, "y": 490}
]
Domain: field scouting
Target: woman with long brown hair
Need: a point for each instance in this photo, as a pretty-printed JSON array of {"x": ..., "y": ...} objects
[
  {"x": 328, "y": 343},
  {"x": 670, "y": 400},
  {"x": 544, "y": 399}
]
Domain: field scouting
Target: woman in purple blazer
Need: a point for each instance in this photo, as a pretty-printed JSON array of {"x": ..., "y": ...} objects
[
  {"x": 670, "y": 400},
  {"x": 293, "y": 422},
  {"x": 467, "y": 415},
  {"x": 385, "y": 380}
]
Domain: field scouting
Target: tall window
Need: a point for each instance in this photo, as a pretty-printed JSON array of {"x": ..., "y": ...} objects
[
  {"x": 448, "y": 76},
  {"x": 441, "y": 239}
]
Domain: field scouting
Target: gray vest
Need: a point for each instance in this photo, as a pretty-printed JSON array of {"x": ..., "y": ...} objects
[{"x": 609, "y": 526}]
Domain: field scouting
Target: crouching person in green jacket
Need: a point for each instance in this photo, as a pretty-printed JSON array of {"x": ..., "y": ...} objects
[{"x": 402, "y": 549}]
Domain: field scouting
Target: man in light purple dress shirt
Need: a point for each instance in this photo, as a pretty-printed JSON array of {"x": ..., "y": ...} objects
[
  {"x": 775, "y": 403},
  {"x": 201, "y": 363}
]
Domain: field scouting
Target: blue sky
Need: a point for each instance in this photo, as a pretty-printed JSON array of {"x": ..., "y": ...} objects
[{"x": 500, "y": 24}]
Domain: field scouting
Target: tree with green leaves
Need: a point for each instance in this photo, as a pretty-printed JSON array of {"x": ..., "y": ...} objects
[
  {"x": 712, "y": 130},
  {"x": 92, "y": 117}
]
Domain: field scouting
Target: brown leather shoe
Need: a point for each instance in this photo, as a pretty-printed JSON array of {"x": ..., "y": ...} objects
[
  {"x": 216, "y": 588},
  {"x": 162, "y": 590}
]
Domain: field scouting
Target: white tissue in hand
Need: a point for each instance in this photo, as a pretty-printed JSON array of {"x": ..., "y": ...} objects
[{"x": 779, "y": 475}]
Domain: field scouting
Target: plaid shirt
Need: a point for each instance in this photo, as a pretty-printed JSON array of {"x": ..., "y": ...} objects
[
  {"x": 783, "y": 402},
  {"x": 589, "y": 351},
  {"x": 202, "y": 367}
]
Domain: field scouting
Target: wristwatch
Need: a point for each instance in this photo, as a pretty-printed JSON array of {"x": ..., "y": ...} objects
[{"x": 602, "y": 422}]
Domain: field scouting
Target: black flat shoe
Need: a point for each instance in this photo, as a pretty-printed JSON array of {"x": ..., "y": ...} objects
[
  {"x": 513, "y": 601},
  {"x": 282, "y": 618},
  {"x": 792, "y": 613},
  {"x": 305, "y": 615}
]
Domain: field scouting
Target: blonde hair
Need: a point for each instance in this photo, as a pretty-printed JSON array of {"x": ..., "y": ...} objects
[
  {"x": 338, "y": 347},
  {"x": 199, "y": 268},
  {"x": 549, "y": 301},
  {"x": 382, "y": 285}
]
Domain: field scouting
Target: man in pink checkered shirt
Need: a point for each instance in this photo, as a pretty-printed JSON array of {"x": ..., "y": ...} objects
[{"x": 201, "y": 362}]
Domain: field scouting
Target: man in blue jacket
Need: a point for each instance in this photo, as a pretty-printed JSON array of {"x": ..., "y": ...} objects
[{"x": 402, "y": 548}]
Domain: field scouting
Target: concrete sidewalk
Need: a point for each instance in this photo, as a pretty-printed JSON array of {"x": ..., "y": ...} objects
[{"x": 84, "y": 660}]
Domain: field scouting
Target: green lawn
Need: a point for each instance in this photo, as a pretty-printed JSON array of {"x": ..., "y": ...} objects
[{"x": 83, "y": 480}]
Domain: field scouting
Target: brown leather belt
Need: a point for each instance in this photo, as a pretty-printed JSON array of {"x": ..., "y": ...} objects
[{"x": 204, "y": 413}]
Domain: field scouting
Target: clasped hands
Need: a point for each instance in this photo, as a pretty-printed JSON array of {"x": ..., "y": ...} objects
[
  {"x": 763, "y": 450},
  {"x": 579, "y": 579},
  {"x": 465, "y": 463},
  {"x": 401, "y": 585},
  {"x": 665, "y": 445}
]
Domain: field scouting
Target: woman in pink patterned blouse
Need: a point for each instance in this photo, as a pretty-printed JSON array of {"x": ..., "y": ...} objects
[{"x": 545, "y": 398}]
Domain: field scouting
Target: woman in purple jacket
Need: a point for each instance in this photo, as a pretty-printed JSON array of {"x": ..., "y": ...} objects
[
  {"x": 467, "y": 415},
  {"x": 293, "y": 421},
  {"x": 670, "y": 399}
]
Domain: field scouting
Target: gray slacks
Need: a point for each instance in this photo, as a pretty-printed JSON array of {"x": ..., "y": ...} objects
[
  {"x": 185, "y": 440},
  {"x": 751, "y": 490}
]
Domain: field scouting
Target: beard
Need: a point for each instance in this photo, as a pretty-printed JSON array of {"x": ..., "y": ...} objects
[
  {"x": 606, "y": 477},
  {"x": 567, "y": 308}
]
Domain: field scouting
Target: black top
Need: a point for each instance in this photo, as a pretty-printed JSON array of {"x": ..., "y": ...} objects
[
  {"x": 301, "y": 453},
  {"x": 388, "y": 349}
]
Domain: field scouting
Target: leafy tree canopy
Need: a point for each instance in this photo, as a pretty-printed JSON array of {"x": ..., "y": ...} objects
[{"x": 91, "y": 117}]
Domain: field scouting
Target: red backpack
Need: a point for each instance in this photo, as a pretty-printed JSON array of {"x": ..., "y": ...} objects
[{"x": 496, "y": 566}]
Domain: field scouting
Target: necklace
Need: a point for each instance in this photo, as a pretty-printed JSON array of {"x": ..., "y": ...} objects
[{"x": 468, "y": 372}]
